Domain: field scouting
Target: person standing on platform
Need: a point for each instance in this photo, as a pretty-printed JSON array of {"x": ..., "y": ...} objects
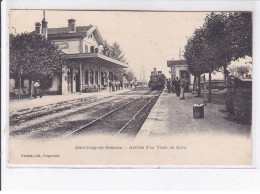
[
  {"x": 229, "y": 95},
  {"x": 177, "y": 86},
  {"x": 116, "y": 83},
  {"x": 135, "y": 85},
  {"x": 173, "y": 86},
  {"x": 37, "y": 89},
  {"x": 182, "y": 86},
  {"x": 168, "y": 83},
  {"x": 121, "y": 85},
  {"x": 131, "y": 84},
  {"x": 110, "y": 85},
  {"x": 113, "y": 85}
]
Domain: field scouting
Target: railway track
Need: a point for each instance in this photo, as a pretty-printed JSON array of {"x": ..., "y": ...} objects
[
  {"x": 123, "y": 120},
  {"x": 23, "y": 116}
]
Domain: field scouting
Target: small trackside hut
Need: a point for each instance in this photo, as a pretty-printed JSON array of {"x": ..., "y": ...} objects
[{"x": 179, "y": 68}]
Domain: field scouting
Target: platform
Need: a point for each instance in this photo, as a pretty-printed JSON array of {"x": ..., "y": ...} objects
[
  {"x": 172, "y": 116},
  {"x": 31, "y": 103}
]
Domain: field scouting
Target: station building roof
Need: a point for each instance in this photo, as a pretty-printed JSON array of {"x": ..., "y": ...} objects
[
  {"x": 80, "y": 32},
  {"x": 176, "y": 62},
  {"x": 96, "y": 57}
]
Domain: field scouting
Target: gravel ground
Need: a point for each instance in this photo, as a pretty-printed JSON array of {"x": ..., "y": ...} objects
[
  {"x": 115, "y": 121},
  {"x": 63, "y": 124}
]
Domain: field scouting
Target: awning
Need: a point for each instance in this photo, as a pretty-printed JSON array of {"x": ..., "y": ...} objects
[{"x": 97, "y": 58}]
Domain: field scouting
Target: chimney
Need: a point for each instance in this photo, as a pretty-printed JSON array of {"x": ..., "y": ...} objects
[
  {"x": 37, "y": 27},
  {"x": 72, "y": 25},
  {"x": 154, "y": 69},
  {"x": 44, "y": 28}
]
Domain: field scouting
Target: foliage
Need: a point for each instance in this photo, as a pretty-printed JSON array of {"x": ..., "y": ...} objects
[
  {"x": 242, "y": 70},
  {"x": 239, "y": 29},
  {"x": 195, "y": 53},
  {"x": 223, "y": 37},
  {"x": 129, "y": 75},
  {"x": 34, "y": 57},
  {"x": 106, "y": 49},
  {"x": 117, "y": 53},
  {"x": 114, "y": 51},
  {"x": 217, "y": 42}
]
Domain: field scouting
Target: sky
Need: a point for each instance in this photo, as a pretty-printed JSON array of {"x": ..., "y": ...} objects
[{"x": 148, "y": 39}]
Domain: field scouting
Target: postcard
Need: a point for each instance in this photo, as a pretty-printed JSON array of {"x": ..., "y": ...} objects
[{"x": 130, "y": 88}]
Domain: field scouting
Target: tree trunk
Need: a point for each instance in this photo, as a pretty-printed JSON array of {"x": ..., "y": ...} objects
[
  {"x": 225, "y": 75},
  {"x": 20, "y": 85},
  {"x": 209, "y": 100},
  {"x": 204, "y": 85},
  {"x": 199, "y": 86},
  {"x": 30, "y": 87}
]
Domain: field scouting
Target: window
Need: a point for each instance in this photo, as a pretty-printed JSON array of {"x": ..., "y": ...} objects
[
  {"x": 96, "y": 50},
  {"x": 86, "y": 48},
  {"x": 96, "y": 77},
  {"x": 86, "y": 77},
  {"x": 92, "y": 49}
]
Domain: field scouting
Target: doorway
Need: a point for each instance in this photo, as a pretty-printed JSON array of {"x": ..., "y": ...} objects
[
  {"x": 102, "y": 78},
  {"x": 70, "y": 80},
  {"x": 185, "y": 74},
  {"x": 78, "y": 81}
]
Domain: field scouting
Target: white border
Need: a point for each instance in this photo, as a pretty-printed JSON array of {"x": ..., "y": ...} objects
[{"x": 59, "y": 178}]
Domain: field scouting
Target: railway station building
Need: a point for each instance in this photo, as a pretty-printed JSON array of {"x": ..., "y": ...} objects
[{"x": 87, "y": 69}]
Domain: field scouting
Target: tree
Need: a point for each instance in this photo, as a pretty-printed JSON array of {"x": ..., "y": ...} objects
[
  {"x": 117, "y": 53},
  {"x": 129, "y": 75},
  {"x": 222, "y": 38},
  {"x": 239, "y": 29},
  {"x": 33, "y": 57},
  {"x": 195, "y": 53},
  {"x": 241, "y": 70},
  {"x": 106, "y": 49},
  {"x": 217, "y": 44}
]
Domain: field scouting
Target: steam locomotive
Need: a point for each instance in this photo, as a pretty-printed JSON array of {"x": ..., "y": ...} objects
[{"x": 157, "y": 80}]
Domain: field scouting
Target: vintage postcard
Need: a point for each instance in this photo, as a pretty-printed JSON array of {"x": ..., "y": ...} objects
[{"x": 130, "y": 88}]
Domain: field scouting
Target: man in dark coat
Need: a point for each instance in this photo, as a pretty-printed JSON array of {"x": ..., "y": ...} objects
[
  {"x": 229, "y": 94},
  {"x": 173, "y": 85},
  {"x": 177, "y": 87},
  {"x": 169, "y": 85},
  {"x": 182, "y": 87}
]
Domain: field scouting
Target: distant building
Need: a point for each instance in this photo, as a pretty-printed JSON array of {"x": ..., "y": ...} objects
[
  {"x": 179, "y": 68},
  {"x": 87, "y": 68}
]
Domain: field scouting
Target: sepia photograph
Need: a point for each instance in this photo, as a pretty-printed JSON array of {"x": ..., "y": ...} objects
[{"x": 130, "y": 88}]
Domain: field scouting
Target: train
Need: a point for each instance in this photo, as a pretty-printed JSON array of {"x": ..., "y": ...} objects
[{"x": 157, "y": 80}]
